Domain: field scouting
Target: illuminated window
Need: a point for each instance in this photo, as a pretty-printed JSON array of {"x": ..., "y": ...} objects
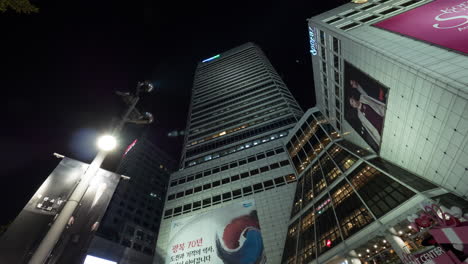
[
  {"x": 378, "y": 191},
  {"x": 327, "y": 228},
  {"x": 306, "y": 247},
  {"x": 343, "y": 158},
  {"x": 329, "y": 169},
  {"x": 308, "y": 191},
  {"x": 318, "y": 181},
  {"x": 297, "y": 203},
  {"x": 291, "y": 178},
  {"x": 352, "y": 214},
  {"x": 289, "y": 253}
]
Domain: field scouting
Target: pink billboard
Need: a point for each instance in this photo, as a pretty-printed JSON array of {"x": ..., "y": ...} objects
[{"x": 441, "y": 22}]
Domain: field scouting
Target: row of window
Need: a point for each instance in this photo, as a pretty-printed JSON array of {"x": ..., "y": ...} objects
[
  {"x": 307, "y": 129},
  {"x": 254, "y": 98},
  {"x": 231, "y": 195},
  {"x": 240, "y": 113},
  {"x": 246, "y": 125},
  {"x": 228, "y": 180},
  {"x": 251, "y": 71},
  {"x": 224, "y": 88},
  {"x": 308, "y": 141},
  {"x": 208, "y": 79},
  {"x": 203, "y": 68},
  {"x": 237, "y": 122},
  {"x": 330, "y": 165},
  {"x": 234, "y": 109},
  {"x": 232, "y": 98},
  {"x": 234, "y": 149},
  {"x": 404, "y": 176},
  {"x": 227, "y": 166},
  {"x": 241, "y": 136},
  {"x": 335, "y": 49},
  {"x": 340, "y": 213}
]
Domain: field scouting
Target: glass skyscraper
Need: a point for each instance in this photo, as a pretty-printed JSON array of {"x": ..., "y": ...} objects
[{"x": 240, "y": 113}]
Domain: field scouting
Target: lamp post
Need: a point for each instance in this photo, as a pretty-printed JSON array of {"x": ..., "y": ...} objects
[{"x": 131, "y": 115}]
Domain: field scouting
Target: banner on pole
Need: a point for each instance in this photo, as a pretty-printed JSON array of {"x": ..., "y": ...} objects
[{"x": 26, "y": 232}]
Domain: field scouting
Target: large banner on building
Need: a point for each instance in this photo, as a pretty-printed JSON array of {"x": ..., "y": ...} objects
[
  {"x": 27, "y": 230},
  {"x": 75, "y": 240},
  {"x": 365, "y": 105},
  {"x": 228, "y": 235},
  {"x": 441, "y": 22}
]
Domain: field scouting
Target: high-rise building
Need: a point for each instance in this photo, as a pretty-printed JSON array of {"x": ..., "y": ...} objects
[
  {"x": 391, "y": 81},
  {"x": 130, "y": 226},
  {"x": 365, "y": 52},
  {"x": 233, "y": 160}
]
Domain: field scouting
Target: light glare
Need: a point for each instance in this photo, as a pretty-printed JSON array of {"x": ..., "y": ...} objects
[
  {"x": 95, "y": 260},
  {"x": 107, "y": 142}
]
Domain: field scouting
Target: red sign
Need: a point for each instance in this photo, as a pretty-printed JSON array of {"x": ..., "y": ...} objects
[
  {"x": 442, "y": 22},
  {"x": 130, "y": 147}
]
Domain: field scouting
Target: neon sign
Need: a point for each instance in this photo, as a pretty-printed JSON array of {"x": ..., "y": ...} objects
[
  {"x": 130, "y": 147},
  {"x": 321, "y": 206},
  {"x": 313, "y": 43},
  {"x": 211, "y": 58}
]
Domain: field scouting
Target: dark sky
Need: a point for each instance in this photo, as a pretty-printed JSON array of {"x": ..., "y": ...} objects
[{"x": 60, "y": 68}]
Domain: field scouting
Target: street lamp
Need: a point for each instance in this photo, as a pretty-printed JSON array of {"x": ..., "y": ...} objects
[{"x": 105, "y": 143}]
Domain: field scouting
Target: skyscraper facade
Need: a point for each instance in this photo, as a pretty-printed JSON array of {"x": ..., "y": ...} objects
[
  {"x": 130, "y": 226},
  {"x": 233, "y": 161},
  {"x": 389, "y": 79}
]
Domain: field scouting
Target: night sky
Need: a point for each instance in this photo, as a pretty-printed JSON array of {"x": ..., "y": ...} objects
[{"x": 60, "y": 68}]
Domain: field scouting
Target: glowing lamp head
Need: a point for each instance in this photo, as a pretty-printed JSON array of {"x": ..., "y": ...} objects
[
  {"x": 106, "y": 142},
  {"x": 329, "y": 243}
]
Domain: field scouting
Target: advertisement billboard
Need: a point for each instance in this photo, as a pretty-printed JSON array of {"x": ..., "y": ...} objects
[
  {"x": 365, "y": 102},
  {"x": 228, "y": 235},
  {"x": 75, "y": 240},
  {"x": 26, "y": 232},
  {"x": 441, "y": 22}
]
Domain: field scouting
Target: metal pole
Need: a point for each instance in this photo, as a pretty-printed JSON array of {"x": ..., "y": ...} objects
[{"x": 53, "y": 235}]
